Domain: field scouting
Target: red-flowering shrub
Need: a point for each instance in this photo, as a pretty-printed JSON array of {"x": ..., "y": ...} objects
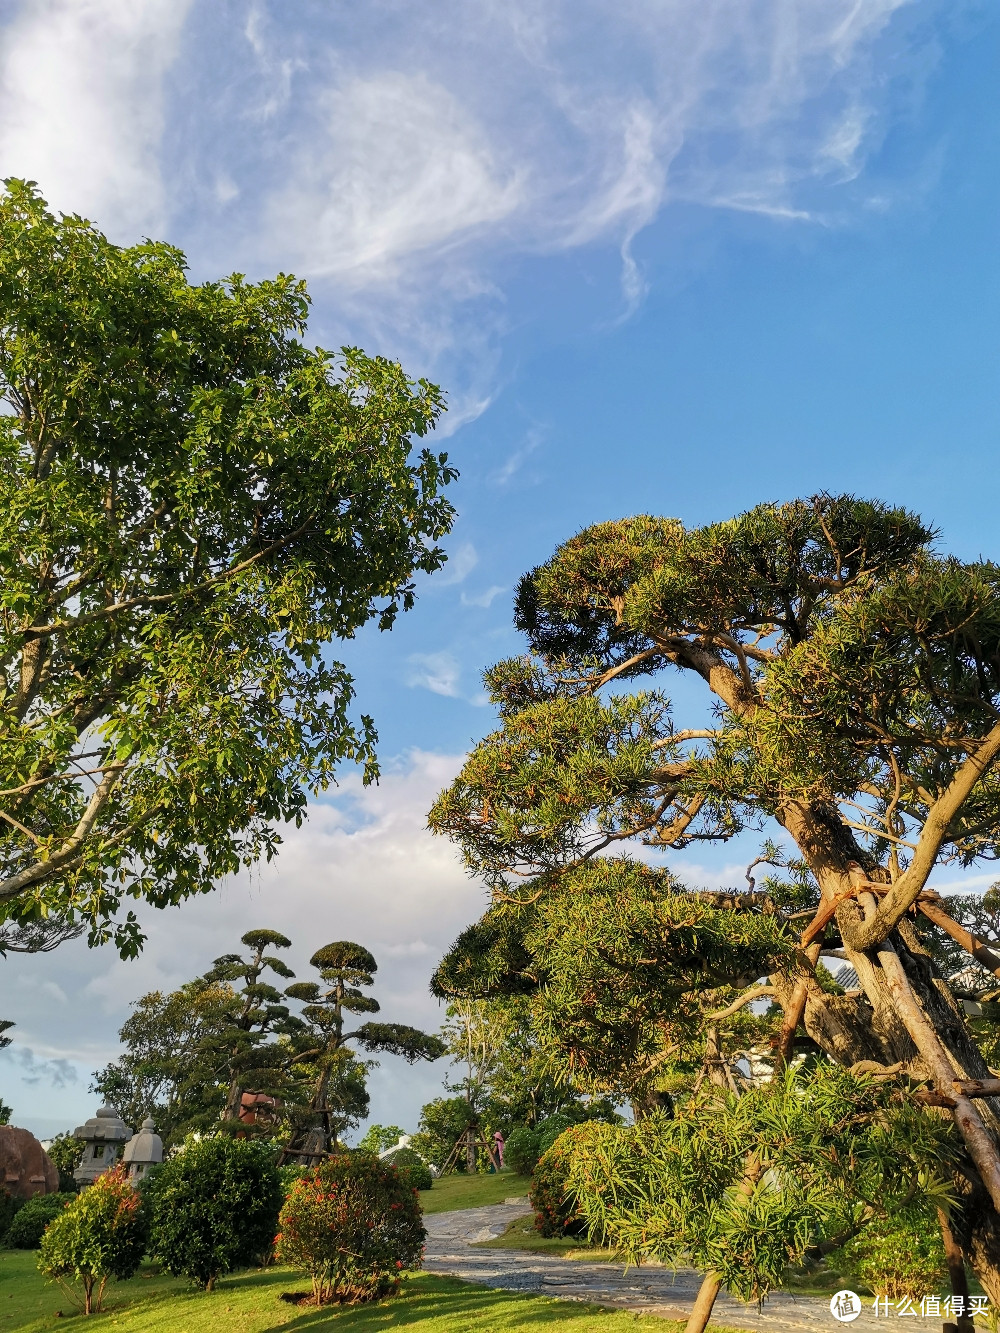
[
  {"x": 555, "y": 1212},
  {"x": 353, "y": 1225},
  {"x": 100, "y": 1235}
]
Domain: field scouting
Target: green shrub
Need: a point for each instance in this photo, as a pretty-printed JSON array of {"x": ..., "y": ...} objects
[
  {"x": 520, "y": 1150},
  {"x": 381, "y": 1137},
  {"x": 353, "y": 1225},
  {"x": 555, "y": 1213},
  {"x": 412, "y": 1168},
  {"x": 549, "y": 1130},
  {"x": 900, "y": 1257},
  {"x": 101, "y": 1234},
  {"x": 9, "y": 1205},
  {"x": 29, "y": 1223},
  {"x": 214, "y": 1207},
  {"x": 289, "y": 1175}
]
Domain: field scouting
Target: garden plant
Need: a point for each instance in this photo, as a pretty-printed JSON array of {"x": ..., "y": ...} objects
[
  {"x": 214, "y": 1207},
  {"x": 100, "y": 1235},
  {"x": 850, "y": 675},
  {"x": 354, "y": 1225}
]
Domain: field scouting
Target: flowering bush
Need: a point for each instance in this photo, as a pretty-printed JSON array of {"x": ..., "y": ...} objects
[
  {"x": 353, "y": 1225},
  {"x": 213, "y": 1207},
  {"x": 555, "y": 1212},
  {"x": 101, "y": 1234}
]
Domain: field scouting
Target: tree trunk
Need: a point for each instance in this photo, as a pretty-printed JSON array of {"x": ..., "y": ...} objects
[
  {"x": 957, "y": 1276},
  {"x": 904, "y": 1018},
  {"x": 701, "y": 1311}
]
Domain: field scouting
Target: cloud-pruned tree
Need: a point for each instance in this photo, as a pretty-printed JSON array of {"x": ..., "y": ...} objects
[{"x": 851, "y": 678}]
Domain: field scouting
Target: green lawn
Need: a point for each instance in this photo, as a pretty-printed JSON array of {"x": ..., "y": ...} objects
[
  {"x": 249, "y": 1303},
  {"x": 472, "y": 1191},
  {"x": 520, "y": 1234}
]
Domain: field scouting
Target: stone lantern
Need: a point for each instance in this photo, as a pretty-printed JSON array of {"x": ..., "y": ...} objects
[
  {"x": 103, "y": 1136},
  {"x": 142, "y": 1151}
]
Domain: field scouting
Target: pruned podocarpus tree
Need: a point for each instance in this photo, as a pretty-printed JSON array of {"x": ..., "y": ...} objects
[
  {"x": 245, "y": 1048},
  {"x": 322, "y": 1051},
  {"x": 852, "y": 689},
  {"x": 193, "y": 506}
]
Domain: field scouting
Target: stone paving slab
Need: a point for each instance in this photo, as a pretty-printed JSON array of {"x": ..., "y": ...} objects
[{"x": 646, "y": 1289}]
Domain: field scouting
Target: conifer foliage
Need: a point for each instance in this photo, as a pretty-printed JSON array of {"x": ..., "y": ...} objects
[{"x": 851, "y": 684}]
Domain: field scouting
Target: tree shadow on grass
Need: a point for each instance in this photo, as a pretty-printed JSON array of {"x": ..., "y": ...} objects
[{"x": 459, "y": 1305}]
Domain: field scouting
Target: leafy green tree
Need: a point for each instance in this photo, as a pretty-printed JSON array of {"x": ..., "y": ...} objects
[
  {"x": 442, "y": 1122},
  {"x": 213, "y": 1207},
  {"x": 170, "y": 1068},
  {"x": 323, "y": 1047},
  {"x": 851, "y": 679},
  {"x": 101, "y": 1234},
  {"x": 65, "y": 1153},
  {"x": 195, "y": 505},
  {"x": 380, "y": 1137}
]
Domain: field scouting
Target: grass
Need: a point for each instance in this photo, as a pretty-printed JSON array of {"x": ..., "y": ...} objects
[
  {"x": 471, "y": 1191},
  {"x": 520, "y": 1234},
  {"x": 249, "y": 1303}
]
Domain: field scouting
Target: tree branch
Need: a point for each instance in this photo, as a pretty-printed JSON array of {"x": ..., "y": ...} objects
[
  {"x": 904, "y": 893},
  {"x": 755, "y": 993}
]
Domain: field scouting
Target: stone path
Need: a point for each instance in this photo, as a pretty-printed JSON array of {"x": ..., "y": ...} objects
[{"x": 651, "y": 1290}]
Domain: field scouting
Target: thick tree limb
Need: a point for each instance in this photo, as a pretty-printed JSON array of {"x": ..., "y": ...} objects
[
  {"x": 69, "y": 854},
  {"x": 970, "y": 1124},
  {"x": 972, "y": 944},
  {"x": 904, "y": 893}
]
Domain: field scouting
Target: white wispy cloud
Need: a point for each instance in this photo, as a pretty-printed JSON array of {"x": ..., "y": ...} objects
[
  {"x": 82, "y": 105},
  {"x": 437, "y": 672},
  {"x": 397, "y": 165},
  {"x": 402, "y": 156},
  {"x": 484, "y": 599},
  {"x": 514, "y": 462},
  {"x": 461, "y": 562}
]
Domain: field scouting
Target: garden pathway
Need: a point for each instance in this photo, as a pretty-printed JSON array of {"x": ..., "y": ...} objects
[{"x": 451, "y": 1239}]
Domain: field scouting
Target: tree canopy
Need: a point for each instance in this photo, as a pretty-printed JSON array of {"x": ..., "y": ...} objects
[
  {"x": 195, "y": 505},
  {"x": 851, "y": 677}
]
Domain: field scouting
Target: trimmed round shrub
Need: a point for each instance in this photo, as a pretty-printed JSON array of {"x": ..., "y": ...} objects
[
  {"x": 412, "y": 1168},
  {"x": 555, "y": 1212},
  {"x": 101, "y": 1234},
  {"x": 521, "y": 1150},
  {"x": 354, "y": 1226},
  {"x": 214, "y": 1207},
  {"x": 549, "y": 1130},
  {"x": 28, "y": 1226}
]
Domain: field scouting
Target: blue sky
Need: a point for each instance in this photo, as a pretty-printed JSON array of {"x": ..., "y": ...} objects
[{"x": 664, "y": 256}]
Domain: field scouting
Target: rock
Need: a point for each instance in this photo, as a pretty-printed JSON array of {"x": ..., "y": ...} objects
[{"x": 25, "y": 1167}]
